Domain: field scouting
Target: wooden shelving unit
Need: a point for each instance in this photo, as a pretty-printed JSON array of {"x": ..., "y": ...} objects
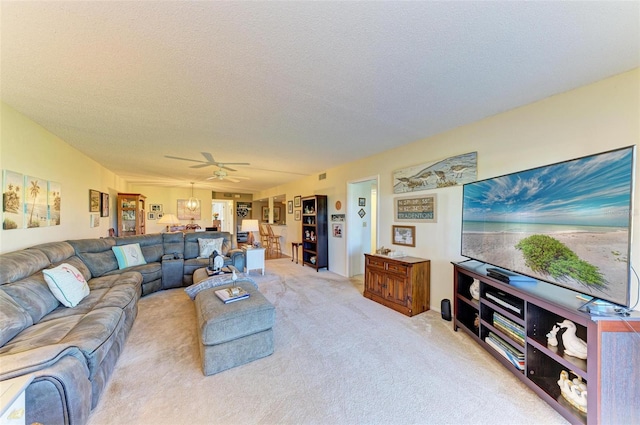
[
  {"x": 613, "y": 348},
  {"x": 131, "y": 210},
  {"x": 315, "y": 242}
]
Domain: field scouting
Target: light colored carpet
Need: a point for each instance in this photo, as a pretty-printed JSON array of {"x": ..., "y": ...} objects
[{"x": 339, "y": 359}]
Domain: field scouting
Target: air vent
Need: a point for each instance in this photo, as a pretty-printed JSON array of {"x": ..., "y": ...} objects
[{"x": 322, "y": 176}]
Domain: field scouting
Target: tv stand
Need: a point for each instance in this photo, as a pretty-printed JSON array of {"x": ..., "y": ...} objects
[{"x": 522, "y": 316}]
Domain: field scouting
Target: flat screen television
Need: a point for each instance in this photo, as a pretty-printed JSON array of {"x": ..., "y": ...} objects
[{"x": 567, "y": 223}]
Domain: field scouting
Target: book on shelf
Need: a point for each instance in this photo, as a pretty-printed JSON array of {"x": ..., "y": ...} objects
[
  {"x": 232, "y": 294},
  {"x": 509, "y": 327},
  {"x": 506, "y": 350}
]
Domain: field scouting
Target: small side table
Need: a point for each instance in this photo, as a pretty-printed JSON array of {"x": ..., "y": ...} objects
[
  {"x": 254, "y": 258},
  {"x": 294, "y": 251},
  {"x": 12, "y": 399}
]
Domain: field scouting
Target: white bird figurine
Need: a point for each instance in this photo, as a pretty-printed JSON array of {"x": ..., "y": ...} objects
[
  {"x": 234, "y": 276},
  {"x": 573, "y": 345}
]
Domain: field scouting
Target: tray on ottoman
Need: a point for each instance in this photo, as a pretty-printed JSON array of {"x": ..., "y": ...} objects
[{"x": 233, "y": 334}]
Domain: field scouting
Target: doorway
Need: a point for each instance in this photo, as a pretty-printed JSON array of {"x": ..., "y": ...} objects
[
  {"x": 224, "y": 211},
  {"x": 361, "y": 222}
]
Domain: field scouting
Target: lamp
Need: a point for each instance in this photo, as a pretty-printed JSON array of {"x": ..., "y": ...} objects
[
  {"x": 250, "y": 226},
  {"x": 193, "y": 203},
  {"x": 169, "y": 220}
]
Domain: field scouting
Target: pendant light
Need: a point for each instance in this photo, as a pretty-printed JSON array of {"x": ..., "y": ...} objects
[{"x": 193, "y": 203}]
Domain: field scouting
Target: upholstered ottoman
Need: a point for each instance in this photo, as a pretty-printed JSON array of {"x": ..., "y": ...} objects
[{"x": 236, "y": 333}]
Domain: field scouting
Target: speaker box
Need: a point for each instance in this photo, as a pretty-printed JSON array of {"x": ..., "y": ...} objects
[{"x": 445, "y": 309}]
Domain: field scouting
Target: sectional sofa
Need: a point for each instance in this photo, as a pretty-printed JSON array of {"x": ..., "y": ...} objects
[{"x": 72, "y": 351}]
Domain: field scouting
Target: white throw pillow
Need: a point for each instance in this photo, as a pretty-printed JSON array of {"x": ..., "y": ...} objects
[
  {"x": 66, "y": 284},
  {"x": 128, "y": 255},
  {"x": 207, "y": 246}
]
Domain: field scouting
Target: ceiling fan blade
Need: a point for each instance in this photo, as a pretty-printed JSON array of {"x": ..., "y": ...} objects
[
  {"x": 225, "y": 167},
  {"x": 208, "y": 157},
  {"x": 183, "y": 159},
  {"x": 201, "y": 165},
  {"x": 235, "y": 163},
  {"x": 231, "y": 179}
]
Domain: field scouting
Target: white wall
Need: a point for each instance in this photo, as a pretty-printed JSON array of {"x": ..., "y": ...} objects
[
  {"x": 29, "y": 149},
  {"x": 590, "y": 119}
]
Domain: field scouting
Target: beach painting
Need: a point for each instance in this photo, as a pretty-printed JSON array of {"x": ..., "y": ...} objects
[
  {"x": 566, "y": 223},
  {"x": 452, "y": 171},
  {"x": 53, "y": 206},
  {"x": 12, "y": 200},
  {"x": 35, "y": 199}
]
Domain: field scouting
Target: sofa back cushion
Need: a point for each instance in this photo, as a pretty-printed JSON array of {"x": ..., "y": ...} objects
[
  {"x": 96, "y": 254},
  {"x": 33, "y": 295},
  {"x": 62, "y": 252},
  {"x": 173, "y": 242},
  {"x": 192, "y": 247},
  {"x": 151, "y": 245},
  {"x": 13, "y": 318}
]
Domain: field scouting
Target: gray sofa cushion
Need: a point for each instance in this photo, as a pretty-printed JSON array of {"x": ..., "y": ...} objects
[
  {"x": 173, "y": 242},
  {"x": 13, "y": 318},
  {"x": 93, "y": 333},
  {"x": 33, "y": 295},
  {"x": 20, "y": 264},
  {"x": 151, "y": 245},
  {"x": 96, "y": 254}
]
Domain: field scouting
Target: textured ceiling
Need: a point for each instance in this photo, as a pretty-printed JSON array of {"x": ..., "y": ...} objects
[{"x": 293, "y": 88}]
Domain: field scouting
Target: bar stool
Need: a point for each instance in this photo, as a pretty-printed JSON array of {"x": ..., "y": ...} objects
[{"x": 274, "y": 240}]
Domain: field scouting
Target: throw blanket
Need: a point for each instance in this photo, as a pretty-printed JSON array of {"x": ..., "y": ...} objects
[{"x": 213, "y": 281}]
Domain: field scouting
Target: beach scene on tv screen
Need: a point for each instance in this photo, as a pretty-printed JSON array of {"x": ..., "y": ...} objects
[{"x": 565, "y": 223}]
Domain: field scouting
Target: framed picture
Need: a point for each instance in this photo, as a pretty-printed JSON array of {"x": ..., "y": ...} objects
[
  {"x": 290, "y": 207},
  {"x": 13, "y": 210},
  {"x": 297, "y": 201},
  {"x": 362, "y": 202},
  {"x": 94, "y": 201},
  {"x": 298, "y": 215},
  {"x": 403, "y": 235},
  {"x": 452, "y": 171},
  {"x": 94, "y": 220},
  {"x": 421, "y": 209},
  {"x": 104, "y": 205},
  {"x": 337, "y": 217},
  {"x": 151, "y": 216},
  {"x": 337, "y": 230},
  {"x": 156, "y": 208},
  {"x": 276, "y": 214},
  {"x": 185, "y": 213}
]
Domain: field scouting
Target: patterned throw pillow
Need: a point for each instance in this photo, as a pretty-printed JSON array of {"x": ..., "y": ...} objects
[
  {"x": 128, "y": 255},
  {"x": 66, "y": 284},
  {"x": 207, "y": 246}
]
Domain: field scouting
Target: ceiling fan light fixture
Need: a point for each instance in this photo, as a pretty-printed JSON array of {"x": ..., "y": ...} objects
[{"x": 193, "y": 203}]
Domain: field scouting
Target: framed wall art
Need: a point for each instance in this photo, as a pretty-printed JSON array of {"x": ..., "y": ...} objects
[
  {"x": 420, "y": 209},
  {"x": 451, "y": 171},
  {"x": 297, "y": 215},
  {"x": 94, "y": 201},
  {"x": 12, "y": 206},
  {"x": 35, "y": 198},
  {"x": 403, "y": 235},
  {"x": 156, "y": 208},
  {"x": 337, "y": 230},
  {"x": 297, "y": 201},
  {"x": 362, "y": 202},
  {"x": 104, "y": 205},
  {"x": 290, "y": 207},
  {"x": 54, "y": 202}
]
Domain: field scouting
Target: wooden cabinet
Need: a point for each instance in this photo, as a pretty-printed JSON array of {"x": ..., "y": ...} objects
[
  {"x": 402, "y": 283},
  {"x": 521, "y": 315},
  {"x": 131, "y": 210},
  {"x": 315, "y": 236}
]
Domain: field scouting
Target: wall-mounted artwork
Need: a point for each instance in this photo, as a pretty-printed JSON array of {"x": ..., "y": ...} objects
[
  {"x": 12, "y": 200},
  {"x": 337, "y": 230},
  {"x": 94, "y": 220},
  {"x": 156, "y": 208},
  {"x": 290, "y": 207},
  {"x": 337, "y": 217},
  {"x": 418, "y": 208},
  {"x": 54, "y": 200},
  {"x": 276, "y": 214},
  {"x": 104, "y": 205},
  {"x": 452, "y": 171},
  {"x": 297, "y": 201},
  {"x": 94, "y": 201},
  {"x": 243, "y": 209},
  {"x": 185, "y": 213},
  {"x": 35, "y": 199},
  {"x": 297, "y": 216},
  {"x": 403, "y": 235}
]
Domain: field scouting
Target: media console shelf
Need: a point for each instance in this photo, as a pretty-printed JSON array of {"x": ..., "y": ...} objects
[{"x": 521, "y": 315}]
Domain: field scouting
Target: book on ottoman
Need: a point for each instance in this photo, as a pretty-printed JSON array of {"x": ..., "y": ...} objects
[{"x": 234, "y": 293}]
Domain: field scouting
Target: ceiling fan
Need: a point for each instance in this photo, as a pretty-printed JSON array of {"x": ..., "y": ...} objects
[
  {"x": 223, "y": 175},
  {"x": 209, "y": 161}
]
